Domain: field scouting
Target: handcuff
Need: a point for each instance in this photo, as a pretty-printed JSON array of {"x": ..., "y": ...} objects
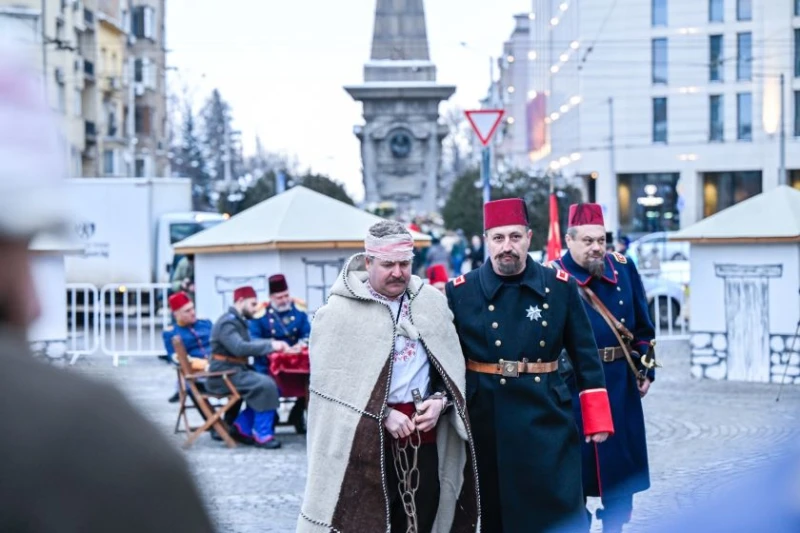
[{"x": 446, "y": 403}]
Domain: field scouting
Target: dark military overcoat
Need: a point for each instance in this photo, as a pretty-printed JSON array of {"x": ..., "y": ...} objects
[
  {"x": 622, "y": 459},
  {"x": 526, "y": 436}
]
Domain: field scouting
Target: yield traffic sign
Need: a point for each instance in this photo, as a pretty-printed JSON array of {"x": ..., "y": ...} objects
[{"x": 484, "y": 122}]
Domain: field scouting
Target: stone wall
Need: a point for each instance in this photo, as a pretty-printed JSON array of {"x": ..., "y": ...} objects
[{"x": 709, "y": 357}]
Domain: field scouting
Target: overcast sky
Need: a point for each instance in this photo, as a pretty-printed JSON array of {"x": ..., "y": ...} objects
[{"x": 282, "y": 65}]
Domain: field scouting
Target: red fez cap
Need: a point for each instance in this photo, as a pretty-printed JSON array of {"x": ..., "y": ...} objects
[
  {"x": 277, "y": 283},
  {"x": 244, "y": 292},
  {"x": 508, "y": 212},
  {"x": 415, "y": 227},
  {"x": 179, "y": 300},
  {"x": 585, "y": 215},
  {"x": 437, "y": 274}
]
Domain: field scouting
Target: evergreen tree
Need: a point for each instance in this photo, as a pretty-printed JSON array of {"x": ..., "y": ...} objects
[
  {"x": 188, "y": 161},
  {"x": 327, "y": 186}
]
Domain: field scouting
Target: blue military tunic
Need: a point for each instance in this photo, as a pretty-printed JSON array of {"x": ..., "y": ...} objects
[
  {"x": 290, "y": 326},
  {"x": 195, "y": 337},
  {"x": 622, "y": 459},
  {"x": 526, "y": 436}
]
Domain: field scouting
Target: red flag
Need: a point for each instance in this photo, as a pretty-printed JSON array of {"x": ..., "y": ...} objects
[{"x": 554, "y": 233}]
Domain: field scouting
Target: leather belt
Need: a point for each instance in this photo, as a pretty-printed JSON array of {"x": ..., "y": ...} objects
[
  {"x": 611, "y": 354},
  {"x": 512, "y": 369},
  {"x": 229, "y": 359}
]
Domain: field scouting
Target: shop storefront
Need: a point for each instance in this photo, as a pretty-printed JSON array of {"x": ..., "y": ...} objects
[
  {"x": 648, "y": 203},
  {"x": 724, "y": 189}
]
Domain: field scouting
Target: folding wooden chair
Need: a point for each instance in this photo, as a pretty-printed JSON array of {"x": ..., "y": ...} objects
[{"x": 213, "y": 415}]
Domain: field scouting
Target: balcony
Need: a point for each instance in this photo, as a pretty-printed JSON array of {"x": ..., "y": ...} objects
[
  {"x": 88, "y": 70},
  {"x": 91, "y": 132},
  {"x": 88, "y": 19}
]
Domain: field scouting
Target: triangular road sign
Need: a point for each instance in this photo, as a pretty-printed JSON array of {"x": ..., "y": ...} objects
[{"x": 484, "y": 122}]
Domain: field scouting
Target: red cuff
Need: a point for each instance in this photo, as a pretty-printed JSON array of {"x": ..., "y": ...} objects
[{"x": 596, "y": 412}]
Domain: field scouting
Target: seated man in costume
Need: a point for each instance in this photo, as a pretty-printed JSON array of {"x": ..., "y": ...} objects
[
  {"x": 231, "y": 347},
  {"x": 194, "y": 334},
  {"x": 437, "y": 276},
  {"x": 283, "y": 318},
  {"x": 385, "y": 451}
]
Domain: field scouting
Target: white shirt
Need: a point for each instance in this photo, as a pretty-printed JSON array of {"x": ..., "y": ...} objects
[{"x": 410, "y": 365}]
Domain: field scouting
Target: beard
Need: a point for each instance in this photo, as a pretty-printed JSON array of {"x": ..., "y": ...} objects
[
  {"x": 283, "y": 308},
  {"x": 508, "y": 269},
  {"x": 596, "y": 266}
]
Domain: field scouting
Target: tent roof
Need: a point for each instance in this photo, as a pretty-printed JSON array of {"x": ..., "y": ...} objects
[
  {"x": 772, "y": 216},
  {"x": 296, "y": 219}
]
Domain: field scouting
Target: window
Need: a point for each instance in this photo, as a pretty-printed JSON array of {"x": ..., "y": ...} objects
[
  {"x": 744, "y": 56},
  {"x": 659, "y": 120},
  {"x": 113, "y": 127},
  {"x": 797, "y": 52},
  {"x": 141, "y": 167},
  {"x": 744, "y": 10},
  {"x": 716, "y": 10},
  {"x": 659, "y": 11},
  {"x": 724, "y": 189},
  {"x": 62, "y": 97},
  {"x": 648, "y": 202},
  {"x": 659, "y": 60},
  {"x": 144, "y": 72},
  {"x": 797, "y": 113},
  {"x": 143, "y": 118},
  {"x": 797, "y": 8},
  {"x": 716, "y": 121},
  {"x": 744, "y": 116},
  {"x": 108, "y": 163},
  {"x": 143, "y": 22},
  {"x": 715, "y": 64}
]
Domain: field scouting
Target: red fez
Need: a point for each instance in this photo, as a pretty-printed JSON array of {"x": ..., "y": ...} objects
[
  {"x": 244, "y": 292},
  {"x": 437, "y": 274},
  {"x": 277, "y": 283},
  {"x": 585, "y": 215},
  {"x": 414, "y": 227},
  {"x": 178, "y": 300},
  {"x": 508, "y": 212}
]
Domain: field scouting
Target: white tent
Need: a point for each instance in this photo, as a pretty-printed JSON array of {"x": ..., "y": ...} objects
[
  {"x": 745, "y": 274},
  {"x": 297, "y": 219},
  {"x": 302, "y": 234}
]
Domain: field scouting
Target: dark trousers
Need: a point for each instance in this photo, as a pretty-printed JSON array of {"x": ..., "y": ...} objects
[
  {"x": 427, "y": 495},
  {"x": 616, "y": 512}
]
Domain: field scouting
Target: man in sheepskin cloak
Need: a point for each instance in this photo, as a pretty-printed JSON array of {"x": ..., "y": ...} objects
[{"x": 389, "y": 443}]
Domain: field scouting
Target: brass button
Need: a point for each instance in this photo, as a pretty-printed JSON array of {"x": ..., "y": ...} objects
[
  {"x": 502, "y": 381},
  {"x": 491, "y": 308},
  {"x": 537, "y": 379},
  {"x": 546, "y": 306},
  {"x": 539, "y": 360},
  {"x": 498, "y": 342},
  {"x": 501, "y": 361},
  {"x": 621, "y": 302},
  {"x": 616, "y": 272},
  {"x": 495, "y": 325},
  {"x": 541, "y": 343},
  {"x": 622, "y": 320},
  {"x": 544, "y": 323},
  {"x": 619, "y": 289},
  {"x": 547, "y": 289}
]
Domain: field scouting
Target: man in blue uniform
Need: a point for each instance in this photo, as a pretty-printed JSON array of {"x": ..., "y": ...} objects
[
  {"x": 283, "y": 319},
  {"x": 196, "y": 337},
  {"x": 514, "y": 317},
  {"x": 610, "y": 285}
]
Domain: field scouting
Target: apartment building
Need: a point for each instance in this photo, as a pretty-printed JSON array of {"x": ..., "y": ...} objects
[{"x": 668, "y": 110}]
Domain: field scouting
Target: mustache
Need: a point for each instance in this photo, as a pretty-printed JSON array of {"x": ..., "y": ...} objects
[
  {"x": 515, "y": 255},
  {"x": 396, "y": 280}
]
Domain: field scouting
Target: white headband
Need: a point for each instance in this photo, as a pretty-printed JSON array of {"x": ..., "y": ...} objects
[{"x": 390, "y": 248}]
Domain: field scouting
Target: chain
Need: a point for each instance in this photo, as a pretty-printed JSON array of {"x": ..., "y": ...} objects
[{"x": 408, "y": 475}]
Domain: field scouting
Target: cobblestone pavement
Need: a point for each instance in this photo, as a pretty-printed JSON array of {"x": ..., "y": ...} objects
[{"x": 700, "y": 433}]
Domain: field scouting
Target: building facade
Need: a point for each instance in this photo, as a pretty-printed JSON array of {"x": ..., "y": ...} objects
[
  {"x": 103, "y": 64},
  {"x": 670, "y": 110}
]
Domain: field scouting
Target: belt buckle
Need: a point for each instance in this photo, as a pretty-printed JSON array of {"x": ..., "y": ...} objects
[
  {"x": 608, "y": 355},
  {"x": 510, "y": 369}
]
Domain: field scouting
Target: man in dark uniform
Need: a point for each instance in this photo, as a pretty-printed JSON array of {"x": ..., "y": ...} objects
[
  {"x": 76, "y": 456},
  {"x": 622, "y": 460},
  {"x": 283, "y": 318},
  {"x": 514, "y": 317},
  {"x": 231, "y": 347}
]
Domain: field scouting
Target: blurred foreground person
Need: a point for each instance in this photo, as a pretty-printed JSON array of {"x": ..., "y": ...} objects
[{"x": 77, "y": 457}]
